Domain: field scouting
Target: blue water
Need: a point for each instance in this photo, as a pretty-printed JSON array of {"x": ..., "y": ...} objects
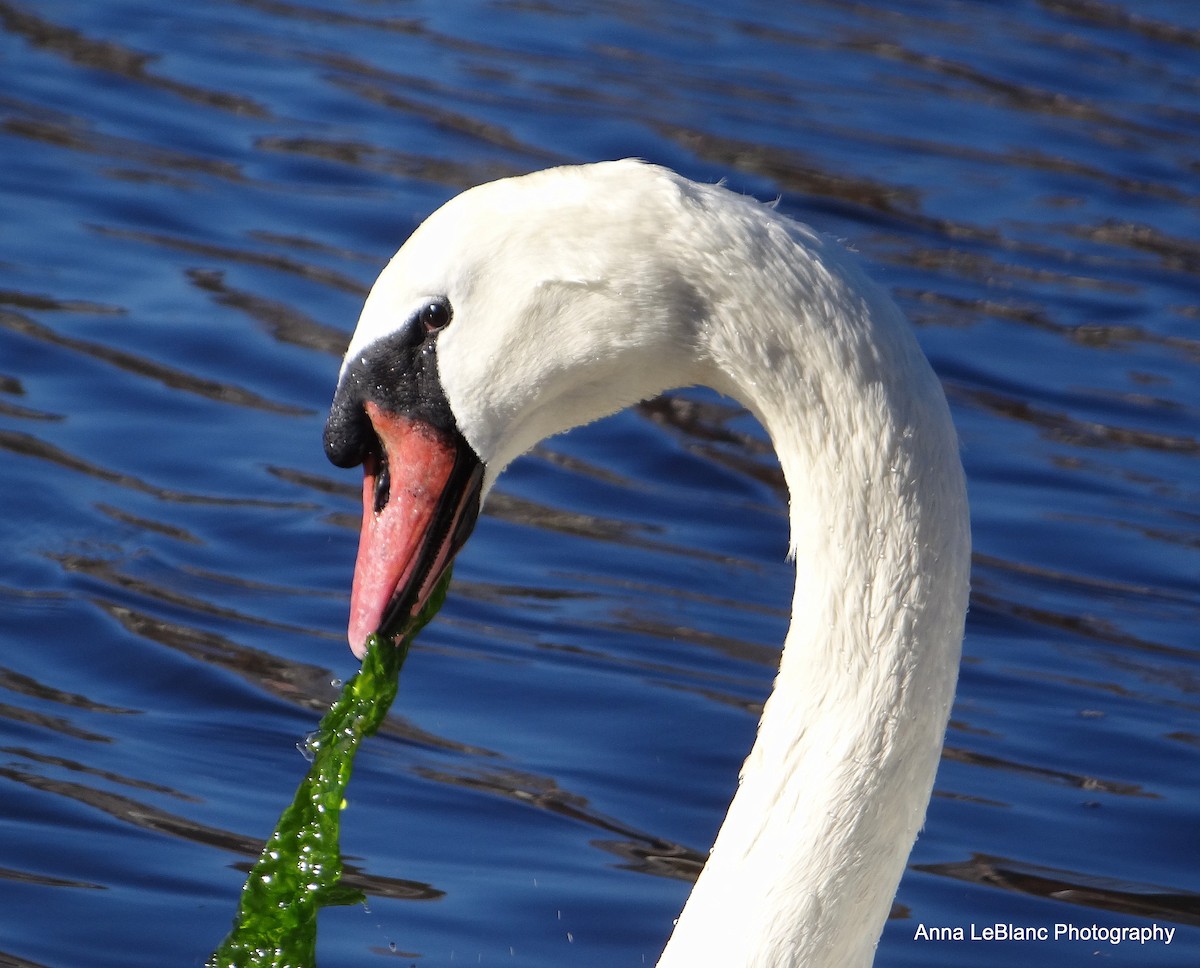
[{"x": 193, "y": 201}]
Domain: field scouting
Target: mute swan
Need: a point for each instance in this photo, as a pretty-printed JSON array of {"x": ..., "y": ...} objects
[{"x": 527, "y": 306}]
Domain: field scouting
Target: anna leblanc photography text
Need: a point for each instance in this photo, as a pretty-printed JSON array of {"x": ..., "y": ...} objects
[{"x": 1062, "y": 932}]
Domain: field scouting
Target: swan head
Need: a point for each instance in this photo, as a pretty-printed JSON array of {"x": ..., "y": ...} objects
[{"x": 519, "y": 309}]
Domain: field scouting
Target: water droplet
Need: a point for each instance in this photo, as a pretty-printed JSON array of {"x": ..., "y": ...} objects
[{"x": 308, "y": 746}]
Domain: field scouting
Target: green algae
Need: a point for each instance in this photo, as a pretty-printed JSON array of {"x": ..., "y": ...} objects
[{"x": 300, "y": 868}]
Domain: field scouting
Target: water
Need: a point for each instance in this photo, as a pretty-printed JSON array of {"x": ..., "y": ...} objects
[{"x": 195, "y": 199}]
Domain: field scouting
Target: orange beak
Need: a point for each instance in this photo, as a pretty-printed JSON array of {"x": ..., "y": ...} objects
[{"x": 421, "y": 491}]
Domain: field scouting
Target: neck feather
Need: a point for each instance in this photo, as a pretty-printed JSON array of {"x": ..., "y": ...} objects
[{"x": 835, "y": 789}]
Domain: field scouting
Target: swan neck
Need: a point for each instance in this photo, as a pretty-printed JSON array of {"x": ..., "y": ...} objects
[{"x": 832, "y": 795}]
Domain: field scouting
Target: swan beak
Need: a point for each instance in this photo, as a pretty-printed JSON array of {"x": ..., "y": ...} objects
[{"x": 421, "y": 490}]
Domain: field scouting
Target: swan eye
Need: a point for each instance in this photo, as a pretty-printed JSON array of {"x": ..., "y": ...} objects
[{"x": 434, "y": 315}]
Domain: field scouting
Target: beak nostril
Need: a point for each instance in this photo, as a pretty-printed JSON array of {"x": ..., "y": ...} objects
[{"x": 383, "y": 481}]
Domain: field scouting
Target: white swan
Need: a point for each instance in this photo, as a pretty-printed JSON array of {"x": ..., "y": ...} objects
[{"x": 531, "y": 305}]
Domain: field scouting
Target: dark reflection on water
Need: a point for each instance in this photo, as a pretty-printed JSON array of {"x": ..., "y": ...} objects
[
  {"x": 109, "y": 56},
  {"x": 196, "y": 201},
  {"x": 171, "y": 378}
]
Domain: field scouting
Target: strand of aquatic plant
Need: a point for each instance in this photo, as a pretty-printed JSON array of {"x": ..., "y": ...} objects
[{"x": 300, "y": 869}]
